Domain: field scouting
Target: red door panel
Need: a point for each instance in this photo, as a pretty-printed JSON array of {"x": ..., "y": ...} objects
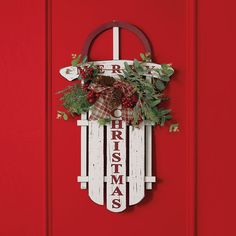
[
  {"x": 164, "y": 209},
  {"x": 22, "y": 119},
  {"x": 40, "y": 155}
]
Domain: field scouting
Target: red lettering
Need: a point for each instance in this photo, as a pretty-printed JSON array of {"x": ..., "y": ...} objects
[
  {"x": 100, "y": 69},
  {"x": 116, "y": 146},
  {"x": 117, "y": 113},
  {"x": 116, "y": 69},
  {"x": 116, "y": 124},
  {"x": 115, "y": 179},
  {"x": 116, "y": 203},
  {"x": 116, "y": 169},
  {"x": 116, "y": 157},
  {"x": 116, "y": 134},
  {"x": 117, "y": 191},
  {"x": 149, "y": 71}
]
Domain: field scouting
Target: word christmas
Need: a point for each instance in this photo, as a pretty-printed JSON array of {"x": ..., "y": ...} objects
[{"x": 117, "y": 165}]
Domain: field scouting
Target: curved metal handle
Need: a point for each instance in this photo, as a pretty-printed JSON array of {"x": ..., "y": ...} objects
[{"x": 124, "y": 25}]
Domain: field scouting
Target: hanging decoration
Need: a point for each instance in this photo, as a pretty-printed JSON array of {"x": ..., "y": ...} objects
[{"x": 127, "y": 97}]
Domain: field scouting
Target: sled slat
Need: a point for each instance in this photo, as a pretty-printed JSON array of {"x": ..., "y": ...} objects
[
  {"x": 96, "y": 162},
  {"x": 121, "y": 173},
  {"x": 111, "y": 186},
  {"x": 148, "y": 154},
  {"x": 116, "y": 43},
  {"x": 136, "y": 164}
]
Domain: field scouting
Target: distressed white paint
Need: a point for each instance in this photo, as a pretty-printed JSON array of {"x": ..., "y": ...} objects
[
  {"x": 92, "y": 155},
  {"x": 148, "y": 154},
  {"x": 96, "y": 162},
  {"x": 110, "y": 150},
  {"x": 106, "y": 68},
  {"x": 116, "y": 44},
  {"x": 136, "y": 164},
  {"x": 84, "y": 151}
]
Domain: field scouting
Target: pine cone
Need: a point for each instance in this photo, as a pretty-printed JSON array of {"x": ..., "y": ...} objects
[
  {"x": 117, "y": 95},
  {"x": 105, "y": 80}
]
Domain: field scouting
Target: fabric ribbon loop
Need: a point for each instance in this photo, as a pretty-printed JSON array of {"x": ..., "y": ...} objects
[{"x": 104, "y": 105}]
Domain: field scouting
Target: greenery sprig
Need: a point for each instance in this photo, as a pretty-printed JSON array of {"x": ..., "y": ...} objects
[{"x": 148, "y": 105}]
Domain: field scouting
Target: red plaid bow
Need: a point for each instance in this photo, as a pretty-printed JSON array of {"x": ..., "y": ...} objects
[{"x": 103, "y": 106}]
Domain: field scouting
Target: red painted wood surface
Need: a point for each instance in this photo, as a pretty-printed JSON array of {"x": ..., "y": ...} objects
[
  {"x": 72, "y": 210},
  {"x": 216, "y": 116},
  {"x": 22, "y": 122},
  {"x": 39, "y": 163}
]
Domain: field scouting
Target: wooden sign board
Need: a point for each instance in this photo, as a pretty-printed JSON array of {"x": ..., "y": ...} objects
[{"x": 117, "y": 157}]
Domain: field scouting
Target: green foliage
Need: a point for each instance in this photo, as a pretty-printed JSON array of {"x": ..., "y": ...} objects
[
  {"x": 150, "y": 94},
  {"x": 74, "y": 99},
  {"x": 146, "y": 57},
  {"x": 149, "y": 84},
  {"x": 104, "y": 121},
  {"x": 78, "y": 60}
]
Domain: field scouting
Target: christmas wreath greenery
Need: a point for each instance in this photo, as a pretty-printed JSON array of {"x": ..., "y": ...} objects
[{"x": 140, "y": 97}]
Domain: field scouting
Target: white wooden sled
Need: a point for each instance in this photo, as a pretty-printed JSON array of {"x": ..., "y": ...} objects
[{"x": 99, "y": 173}]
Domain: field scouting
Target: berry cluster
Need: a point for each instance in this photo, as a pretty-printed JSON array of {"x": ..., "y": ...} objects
[
  {"x": 86, "y": 85},
  {"x": 92, "y": 97},
  {"x": 86, "y": 72},
  {"x": 129, "y": 102}
]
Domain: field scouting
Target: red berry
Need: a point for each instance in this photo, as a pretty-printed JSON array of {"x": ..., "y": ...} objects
[
  {"x": 90, "y": 93},
  {"x": 134, "y": 98},
  {"x": 91, "y": 100}
]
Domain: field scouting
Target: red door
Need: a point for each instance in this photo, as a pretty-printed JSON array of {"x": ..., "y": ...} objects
[{"x": 41, "y": 155}]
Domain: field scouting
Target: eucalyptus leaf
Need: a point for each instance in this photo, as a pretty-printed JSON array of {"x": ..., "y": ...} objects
[
  {"x": 84, "y": 59},
  {"x": 75, "y": 61},
  {"x": 155, "y": 102},
  {"x": 170, "y": 72},
  {"x": 65, "y": 116},
  {"x": 160, "y": 85},
  {"x": 165, "y": 78},
  {"x": 142, "y": 56}
]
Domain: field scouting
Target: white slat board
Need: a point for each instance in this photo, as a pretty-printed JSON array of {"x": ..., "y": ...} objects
[
  {"x": 96, "y": 162},
  {"x": 136, "y": 164},
  {"x": 84, "y": 151},
  {"x": 116, "y": 170},
  {"x": 148, "y": 154},
  {"x": 115, "y": 200}
]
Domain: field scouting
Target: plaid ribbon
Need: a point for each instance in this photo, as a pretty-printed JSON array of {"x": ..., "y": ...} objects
[{"x": 103, "y": 106}]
